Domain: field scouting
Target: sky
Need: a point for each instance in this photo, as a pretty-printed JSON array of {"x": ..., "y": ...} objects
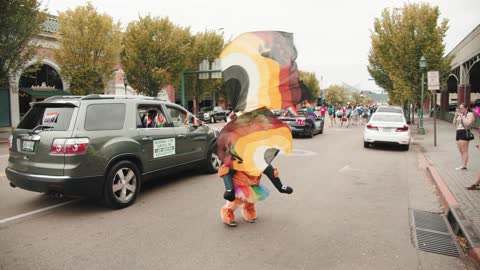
[{"x": 332, "y": 37}]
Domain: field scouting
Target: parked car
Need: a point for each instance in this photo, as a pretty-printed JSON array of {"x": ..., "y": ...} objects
[
  {"x": 105, "y": 146},
  {"x": 387, "y": 128},
  {"x": 212, "y": 114},
  {"x": 303, "y": 124}
]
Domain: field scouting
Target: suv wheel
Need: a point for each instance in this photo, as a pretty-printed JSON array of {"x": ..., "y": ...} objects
[
  {"x": 122, "y": 185},
  {"x": 212, "y": 119},
  {"x": 213, "y": 161}
]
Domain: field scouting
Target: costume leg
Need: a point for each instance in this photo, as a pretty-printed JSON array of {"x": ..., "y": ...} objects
[
  {"x": 248, "y": 211},
  {"x": 227, "y": 212},
  {"x": 229, "y": 193},
  {"x": 270, "y": 173}
]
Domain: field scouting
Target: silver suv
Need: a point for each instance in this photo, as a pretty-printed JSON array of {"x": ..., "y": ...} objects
[{"x": 105, "y": 146}]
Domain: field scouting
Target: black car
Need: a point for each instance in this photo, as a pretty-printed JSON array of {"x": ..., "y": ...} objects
[
  {"x": 304, "y": 124},
  {"x": 212, "y": 114}
]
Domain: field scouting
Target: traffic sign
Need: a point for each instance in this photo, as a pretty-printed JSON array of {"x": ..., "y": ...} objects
[{"x": 433, "y": 78}]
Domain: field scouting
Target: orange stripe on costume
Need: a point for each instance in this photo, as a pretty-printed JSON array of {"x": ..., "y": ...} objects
[{"x": 223, "y": 170}]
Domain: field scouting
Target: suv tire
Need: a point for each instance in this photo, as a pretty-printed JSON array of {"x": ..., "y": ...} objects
[
  {"x": 213, "y": 161},
  {"x": 121, "y": 179},
  {"x": 212, "y": 119}
]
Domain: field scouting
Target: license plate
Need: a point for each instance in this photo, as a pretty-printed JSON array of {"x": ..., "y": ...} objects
[
  {"x": 388, "y": 129},
  {"x": 28, "y": 146}
]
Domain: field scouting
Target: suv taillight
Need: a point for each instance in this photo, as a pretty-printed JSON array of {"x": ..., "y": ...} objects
[
  {"x": 404, "y": 128},
  {"x": 10, "y": 142},
  {"x": 69, "y": 146},
  {"x": 370, "y": 126}
]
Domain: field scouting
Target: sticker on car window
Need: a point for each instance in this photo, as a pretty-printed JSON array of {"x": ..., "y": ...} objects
[
  {"x": 164, "y": 147},
  {"x": 51, "y": 117}
]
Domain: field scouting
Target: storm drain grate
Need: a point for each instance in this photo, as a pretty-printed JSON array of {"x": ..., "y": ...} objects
[{"x": 432, "y": 234}]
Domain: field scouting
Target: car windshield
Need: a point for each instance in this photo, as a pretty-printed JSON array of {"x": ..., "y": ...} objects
[
  {"x": 388, "y": 118},
  {"x": 206, "y": 109},
  {"x": 389, "y": 109}
]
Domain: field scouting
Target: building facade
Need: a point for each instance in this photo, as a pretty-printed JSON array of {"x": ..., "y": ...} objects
[{"x": 42, "y": 77}]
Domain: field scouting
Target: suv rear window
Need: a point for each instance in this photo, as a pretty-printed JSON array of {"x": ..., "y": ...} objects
[
  {"x": 55, "y": 118},
  {"x": 105, "y": 117}
]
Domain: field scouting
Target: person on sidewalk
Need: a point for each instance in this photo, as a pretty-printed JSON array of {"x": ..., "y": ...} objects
[
  {"x": 463, "y": 120},
  {"x": 476, "y": 185}
]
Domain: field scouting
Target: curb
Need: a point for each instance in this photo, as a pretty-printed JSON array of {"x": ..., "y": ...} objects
[{"x": 460, "y": 224}]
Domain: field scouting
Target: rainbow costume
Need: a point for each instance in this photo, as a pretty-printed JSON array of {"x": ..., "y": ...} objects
[{"x": 260, "y": 74}]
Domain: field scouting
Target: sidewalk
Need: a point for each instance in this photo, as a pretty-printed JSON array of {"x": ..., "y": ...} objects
[{"x": 463, "y": 205}]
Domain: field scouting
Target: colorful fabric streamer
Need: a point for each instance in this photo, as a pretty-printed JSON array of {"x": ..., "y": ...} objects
[
  {"x": 292, "y": 111},
  {"x": 51, "y": 117},
  {"x": 251, "y": 194},
  {"x": 259, "y": 70}
]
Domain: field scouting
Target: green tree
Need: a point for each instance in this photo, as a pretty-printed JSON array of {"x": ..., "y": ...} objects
[
  {"x": 19, "y": 21},
  {"x": 206, "y": 45},
  {"x": 311, "y": 81},
  {"x": 336, "y": 94},
  {"x": 89, "y": 46},
  {"x": 155, "y": 53},
  {"x": 399, "y": 38}
]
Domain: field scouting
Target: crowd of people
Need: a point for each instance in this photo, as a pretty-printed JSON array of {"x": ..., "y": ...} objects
[{"x": 349, "y": 114}]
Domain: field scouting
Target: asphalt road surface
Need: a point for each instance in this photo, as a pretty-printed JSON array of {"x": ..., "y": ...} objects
[{"x": 350, "y": 209}]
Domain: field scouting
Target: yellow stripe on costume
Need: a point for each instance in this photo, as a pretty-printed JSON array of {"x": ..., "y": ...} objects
[
  {"x": 267, "y": 71},
  {"x": 247, "y": 146}
]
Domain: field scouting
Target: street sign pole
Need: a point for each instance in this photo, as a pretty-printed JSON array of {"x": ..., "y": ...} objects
[
  {"x": 435, "y": 119},
  {"x": 433, "y": 79}
]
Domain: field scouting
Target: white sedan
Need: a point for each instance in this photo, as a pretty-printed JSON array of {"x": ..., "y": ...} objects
[{"x": 388, "y": 128}]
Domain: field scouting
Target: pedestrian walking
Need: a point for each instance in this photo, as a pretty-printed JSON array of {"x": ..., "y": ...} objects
[
  {"x": 348, "y": 113},
  {"x": 463, "y": 120},
  {"x": 331, "y": 114},
  {"x": 360, "y": 113},
  {"x": 339, "y": 113},
  {"x": 323, "y": 110}
]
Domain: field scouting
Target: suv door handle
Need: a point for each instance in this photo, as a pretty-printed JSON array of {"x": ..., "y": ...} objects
[
  {"x": 181, "y": 136},
  {"x": 147, "y": 138}
]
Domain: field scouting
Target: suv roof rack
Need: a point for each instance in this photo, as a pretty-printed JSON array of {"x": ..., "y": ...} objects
[
  {"x": 63, "y": 97},
  {"x": 97, "y": 96}
]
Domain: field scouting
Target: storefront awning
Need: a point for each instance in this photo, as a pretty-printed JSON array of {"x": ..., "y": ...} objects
[{"x": 46, "y": 93}]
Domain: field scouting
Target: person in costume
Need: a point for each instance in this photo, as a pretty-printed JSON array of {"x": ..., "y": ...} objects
[
  {"x": 243, "y": 188},
  {"x": 260, "y": 75}
]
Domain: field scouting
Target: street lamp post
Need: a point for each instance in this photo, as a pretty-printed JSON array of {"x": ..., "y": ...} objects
[
  {"x": 423, "y": 65},
  {"x": 125, "y": 82}
]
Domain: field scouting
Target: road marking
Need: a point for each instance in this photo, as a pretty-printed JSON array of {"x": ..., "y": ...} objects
[
  {"x": 348, "y": 168},
  {"x": 2, "y": 174},
  {"x": 4, "y": 156},
  {"x": 5, "y": 220}
]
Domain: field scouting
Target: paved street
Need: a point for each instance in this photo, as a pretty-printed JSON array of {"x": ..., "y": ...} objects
[{"x": 350, "y": 209}]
